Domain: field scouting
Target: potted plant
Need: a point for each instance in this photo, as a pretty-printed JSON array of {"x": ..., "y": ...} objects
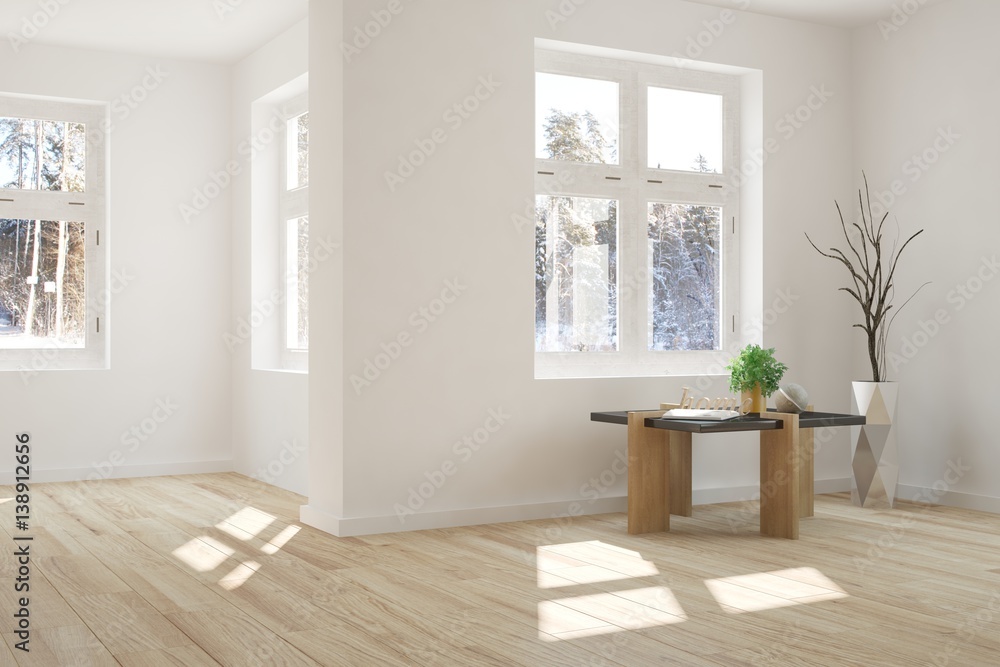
[
  {"x": 756, "y": 372},
  {"x": 871, "y": 267}
]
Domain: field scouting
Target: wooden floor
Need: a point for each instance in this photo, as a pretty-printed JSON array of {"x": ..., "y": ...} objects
[{"x": 215, "y": 569}]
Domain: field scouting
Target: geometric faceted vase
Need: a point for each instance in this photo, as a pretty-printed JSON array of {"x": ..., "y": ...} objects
[{"x": 874, "y": 452}]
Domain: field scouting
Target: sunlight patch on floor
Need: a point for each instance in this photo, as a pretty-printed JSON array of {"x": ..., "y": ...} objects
[
  {"x": 280, "y": 540},
  {"x": 591, "y": 564},
  {"x": 203, "y": 554},
  {"x": 604, "y": 613},
  {"x": 248, "y": 522},
  {"x": 772, "y": 590},
  {"x": 239, "y": 575},
  {"x": 588, "y": 563}
]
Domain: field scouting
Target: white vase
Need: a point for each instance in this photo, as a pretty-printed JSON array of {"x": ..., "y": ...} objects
[{"x": 874, "y": 451}]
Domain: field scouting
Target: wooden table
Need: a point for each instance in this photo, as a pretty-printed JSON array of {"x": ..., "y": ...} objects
[{"x": 659, "y": 464}]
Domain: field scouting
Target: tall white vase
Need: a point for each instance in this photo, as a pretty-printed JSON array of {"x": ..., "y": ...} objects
[{"x": 874, "y": 451}]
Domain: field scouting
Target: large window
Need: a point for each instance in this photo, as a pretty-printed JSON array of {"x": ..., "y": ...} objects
[
  {"x": 636, "y": 246},
  {"x": 53, "y": 305}
]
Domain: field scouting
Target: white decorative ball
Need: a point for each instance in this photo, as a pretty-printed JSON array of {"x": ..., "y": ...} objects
[{"x": 791, "y": 398}]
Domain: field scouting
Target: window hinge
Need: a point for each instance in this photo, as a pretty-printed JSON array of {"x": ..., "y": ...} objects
[
  {"x": 547, "y": 173},
  {"x": 6, "y": 199},
  {"x": 734, "y": 324},
  {"x": 719, "y": 187},
  {"x": 98, "y": 325},
  {"x": 612, "y": 178},
  {"x": 98, "y": 237},
  {"x": 734, "y": 224}
]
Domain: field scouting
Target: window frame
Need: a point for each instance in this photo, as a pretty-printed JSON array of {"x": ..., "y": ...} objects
[
  {"x": 634, "y": 184},
  {"x": 88, "y": 207}
]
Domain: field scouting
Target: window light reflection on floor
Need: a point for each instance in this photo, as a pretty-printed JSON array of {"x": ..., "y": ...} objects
[
  {"x": 246, "y": 524},
  {"x": 239, "y": 575},
  {"x": 588, "y": 563},
  {"x": 280, "y": 540},
  {"x": 604, "y": 613},
  {"x": 203, "y": 554},
  {"x": 772, "y": 590},
  {"x": 617, "y": 609}
]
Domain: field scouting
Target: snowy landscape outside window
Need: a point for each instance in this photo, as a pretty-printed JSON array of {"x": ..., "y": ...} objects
[
  {"x": 636, "y": 246},
  {"x": 51, "y": 216}
]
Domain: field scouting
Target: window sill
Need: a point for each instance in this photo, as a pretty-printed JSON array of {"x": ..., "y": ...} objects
[{"x": 571, "y": 366}]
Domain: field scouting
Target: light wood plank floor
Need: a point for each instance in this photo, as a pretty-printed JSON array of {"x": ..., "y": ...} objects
[{"x": 216, "y": 570}]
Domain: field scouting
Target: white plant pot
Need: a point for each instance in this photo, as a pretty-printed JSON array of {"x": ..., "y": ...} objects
[{"x": 874, "y": 451}]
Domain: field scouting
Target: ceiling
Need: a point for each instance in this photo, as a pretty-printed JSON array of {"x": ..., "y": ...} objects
[
  {"x": 840, "y": 13},
  {"x": 217, "y": 31},
  {"x": 225, "y": 31}
]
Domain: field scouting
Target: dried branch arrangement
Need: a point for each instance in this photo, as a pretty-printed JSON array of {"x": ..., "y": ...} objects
[{"x": 872, "y": 274}]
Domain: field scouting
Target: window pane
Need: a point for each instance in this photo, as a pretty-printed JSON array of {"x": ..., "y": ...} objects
[
  {"x": 576, "y": 119},
  {"x": 297, "y": 133},
  {"x": 685, "y": 276},
  {"x": 685, "y": 130},
  {"x": 42, "y": 284},
  {"x": 297, "y": 296},
  {"x": 42, "y": 155},
  {"x": 576, "y": 274}
]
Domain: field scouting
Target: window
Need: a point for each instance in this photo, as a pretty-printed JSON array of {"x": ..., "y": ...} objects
[
  {"x": 279, "y": 229},
  {"x": 294, "y": 205},
  {"x": 636, "y": 230},
  {"x": 53, "y": 301}
]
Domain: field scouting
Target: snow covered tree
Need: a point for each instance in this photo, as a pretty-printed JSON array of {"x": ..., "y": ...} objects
[
  {"x": 42, "y": 155},
  {"x": 564, "y": 226}
]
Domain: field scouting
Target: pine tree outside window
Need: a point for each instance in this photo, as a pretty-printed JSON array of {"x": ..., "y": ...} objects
[{"x": 636, "y": 230}]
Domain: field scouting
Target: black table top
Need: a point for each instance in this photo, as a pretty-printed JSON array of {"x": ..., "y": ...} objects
[{"x": 751, "y": 422}]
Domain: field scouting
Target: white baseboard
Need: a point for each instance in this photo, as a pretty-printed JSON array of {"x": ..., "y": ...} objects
[
  {"x": 841, "y": 485},
  {"x": 350, "y": 527},
  {"x": 317, "y": 518},
  {"x": 121, "y": 472},
  {"x": 968, "y": 501},
  {"x": 734, "y": 494}
]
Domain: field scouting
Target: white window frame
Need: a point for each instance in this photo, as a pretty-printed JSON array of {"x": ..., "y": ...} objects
[
  {"x": 292, "y": 204},
  {"x": 634, "y": 184},
  {"x": 90, "y": 208}
]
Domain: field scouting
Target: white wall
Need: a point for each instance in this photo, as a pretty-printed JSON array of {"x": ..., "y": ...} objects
[
  {"x": 938, "y": 72},
  {"x": 167, "y": 322},
  {"x": 451, "y": 221},
  {"x": 270, "y": 408}
]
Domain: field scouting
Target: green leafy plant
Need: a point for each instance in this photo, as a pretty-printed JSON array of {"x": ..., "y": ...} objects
[
  {"x": 872, "y": 268},
  {"x": 754, "y": 366}
]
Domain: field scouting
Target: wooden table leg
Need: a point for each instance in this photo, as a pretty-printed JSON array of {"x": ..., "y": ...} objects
[
  {"x": 680, "y": 473},
  {"x": 780, "y": 490},
  {"x": 648, "y": 475},
  {"x": 807, "y": 472},
  {"x": 680, "y": 469}
]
